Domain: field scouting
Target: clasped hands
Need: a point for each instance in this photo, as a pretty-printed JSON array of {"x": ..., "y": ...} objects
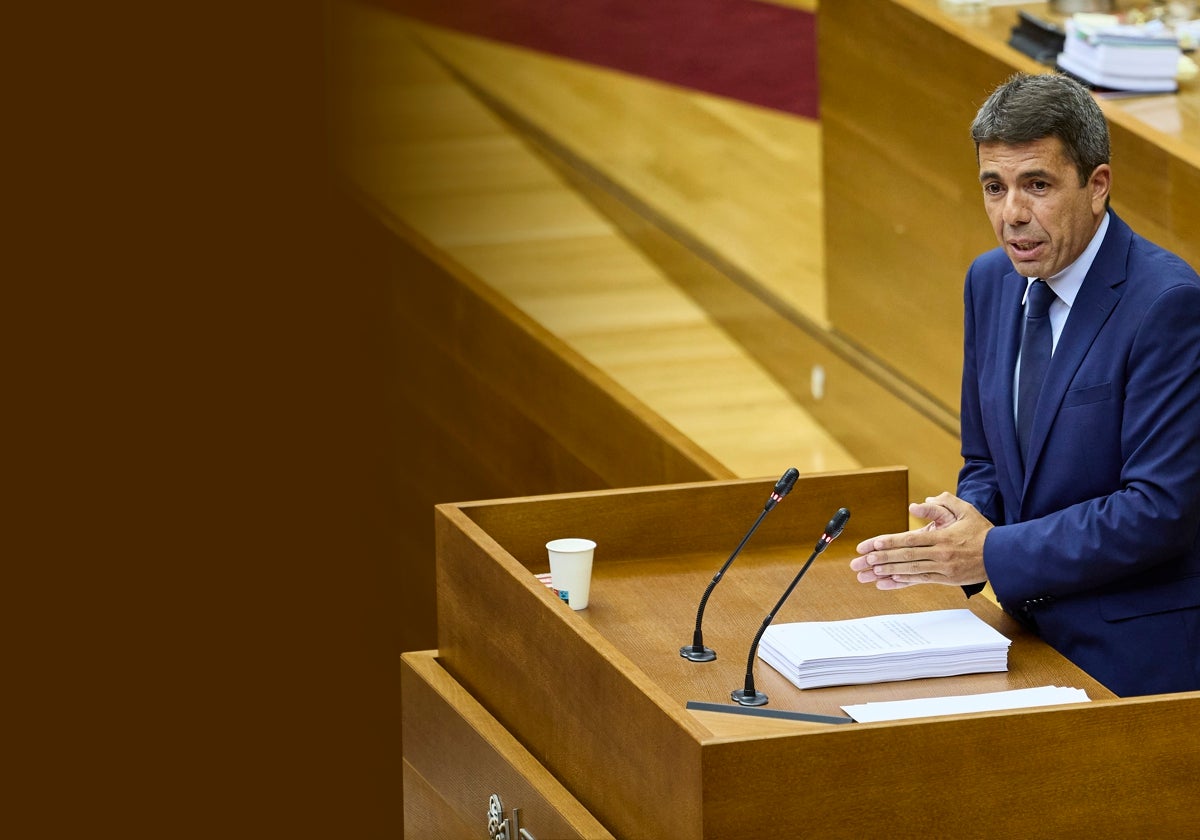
[{"x": 949, "y": 550}]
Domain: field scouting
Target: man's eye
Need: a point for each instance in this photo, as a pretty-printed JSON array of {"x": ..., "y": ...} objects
[
  {"x": 1039, "y": 185},
  {"x": 992, "y": 189}
]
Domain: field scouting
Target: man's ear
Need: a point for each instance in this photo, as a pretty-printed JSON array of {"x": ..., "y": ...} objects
[{"x": 1100, "y": 183}]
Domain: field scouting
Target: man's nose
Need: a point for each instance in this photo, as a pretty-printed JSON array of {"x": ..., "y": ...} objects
[{"x": 1016, "y": 209}]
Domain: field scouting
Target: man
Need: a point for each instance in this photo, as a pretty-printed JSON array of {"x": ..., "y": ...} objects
[{"x": 1080, "y": 503}]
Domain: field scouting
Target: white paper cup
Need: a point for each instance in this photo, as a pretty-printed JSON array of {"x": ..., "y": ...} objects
[{"x": 571, "y": 569}]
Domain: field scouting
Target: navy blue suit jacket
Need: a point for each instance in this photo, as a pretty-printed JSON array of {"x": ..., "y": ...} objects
[{"x": 1098, "y": 536}]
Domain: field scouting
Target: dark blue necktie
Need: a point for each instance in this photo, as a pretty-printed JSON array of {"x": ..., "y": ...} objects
[{"x": 1036, "y": 347}]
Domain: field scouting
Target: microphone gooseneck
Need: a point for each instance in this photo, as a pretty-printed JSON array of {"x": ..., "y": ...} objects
[
  {"x": 696, "y": 651},
  {"x": 747, "y": 695}
]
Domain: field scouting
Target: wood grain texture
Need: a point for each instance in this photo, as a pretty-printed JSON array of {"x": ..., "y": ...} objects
[
  {"x": 590, "y": 719},
  {"x": 430, "y": 815},
  {"x": 596, "y": 693},
  {"x": 497, "y": 406},
  {"x": 903, "y": 212},
  {"x": 445, "y": 730},
  {"x": 902, "y": 209},
  {"x": 705, "y": 517},
  {"x": 507, "y": 359},
  {"x": 740, "y": 178},
  {"x": 431, "y": 156},
  {"x": 441, "y": 155},
  {"x": 556, "y": 107},
  {"x": 657, "y": 545},
  {"x": 1063, "y": 772},
  {"x": 428, "y": 152},
  {"x": 861, "y": 394}
]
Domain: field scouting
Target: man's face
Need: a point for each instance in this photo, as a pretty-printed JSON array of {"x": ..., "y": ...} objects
[{"x": 1041, "y": 215}]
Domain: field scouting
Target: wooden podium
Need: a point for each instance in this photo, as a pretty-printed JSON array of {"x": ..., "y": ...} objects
[{"x": 580, "y": 719}]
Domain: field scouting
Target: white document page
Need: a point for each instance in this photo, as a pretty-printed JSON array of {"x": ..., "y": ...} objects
[
  {"x": 902, "y": 633},
  {"x": 1022, "y": 698}
]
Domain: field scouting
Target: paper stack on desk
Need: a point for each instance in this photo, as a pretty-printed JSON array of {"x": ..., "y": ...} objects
[
  {"x": 1121, "y": 57},
  {"x": 883, "y": 648}
]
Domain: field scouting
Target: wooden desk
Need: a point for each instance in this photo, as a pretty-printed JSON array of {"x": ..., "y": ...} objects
[
  {"x": 901, "y": 81},
  {"x": 597, "y": 699}
]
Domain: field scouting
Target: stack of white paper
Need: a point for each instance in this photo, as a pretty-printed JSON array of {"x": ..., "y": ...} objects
[
  {"x": 883, "y": 648},
  {"x": 1143, "y": 58}
]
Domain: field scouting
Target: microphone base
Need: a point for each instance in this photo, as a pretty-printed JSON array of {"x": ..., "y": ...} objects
[
  {"x": 757, "y": 698},
  {"x": 701, "y": 654}
]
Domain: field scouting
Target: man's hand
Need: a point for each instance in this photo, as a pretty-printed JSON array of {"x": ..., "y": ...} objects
[{"x": 948, "y": 550}]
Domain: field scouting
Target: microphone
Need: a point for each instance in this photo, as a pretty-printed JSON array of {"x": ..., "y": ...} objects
[
  {"x": 747, "y": 695},
  {"x": 696, "y": 651}
]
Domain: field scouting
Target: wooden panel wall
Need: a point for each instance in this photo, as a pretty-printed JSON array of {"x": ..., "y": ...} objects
[
  {"x": 903, "y": 216},
  {"x": 901, "y": 82},
  {"x": 1156, "y": 186},
  {"x": 491, "y": 405},
  {"x": 877, "y": 415}
]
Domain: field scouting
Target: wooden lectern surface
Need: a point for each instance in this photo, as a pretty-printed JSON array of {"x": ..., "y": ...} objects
[
  {"x": 598, "y": 697},
  {"x": 647, "y": 611}
]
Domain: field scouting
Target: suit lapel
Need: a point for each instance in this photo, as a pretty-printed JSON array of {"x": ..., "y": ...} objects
[
  {"x": 1003, "y": 366},
  {"x": 1098, "y": 296}
]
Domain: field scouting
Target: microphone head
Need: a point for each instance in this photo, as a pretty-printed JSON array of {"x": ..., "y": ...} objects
[
  {"x": 786, "y": 482},
  {"x": 836, "y": 525},
  {"x": 782, "y": 487}
]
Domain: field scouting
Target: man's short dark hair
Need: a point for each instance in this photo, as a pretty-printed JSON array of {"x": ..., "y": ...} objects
[{"x": 1027, "y": 108}]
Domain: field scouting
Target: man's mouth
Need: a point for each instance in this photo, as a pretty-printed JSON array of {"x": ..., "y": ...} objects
[{"x": 1024, "y": 248}]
